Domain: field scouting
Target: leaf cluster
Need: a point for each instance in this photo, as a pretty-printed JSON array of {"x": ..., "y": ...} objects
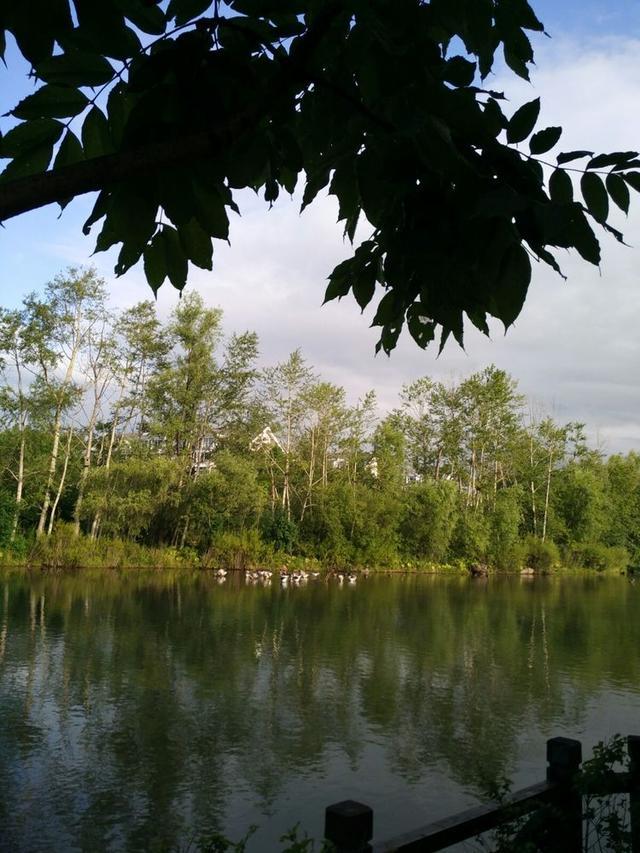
[{"x": 380, "y": 102}]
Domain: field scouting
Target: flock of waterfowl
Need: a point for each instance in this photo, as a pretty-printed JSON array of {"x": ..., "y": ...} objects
[{"x": 285, "y": 577}]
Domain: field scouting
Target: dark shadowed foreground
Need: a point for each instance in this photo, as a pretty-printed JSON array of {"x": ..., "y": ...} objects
[{"x": 144, "y": 711}]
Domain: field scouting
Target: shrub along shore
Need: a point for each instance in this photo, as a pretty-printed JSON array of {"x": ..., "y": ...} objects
[{"x": 64, "y": 551}]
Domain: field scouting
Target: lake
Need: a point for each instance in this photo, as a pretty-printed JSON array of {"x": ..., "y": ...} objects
[{"x": 143, "y": 711}]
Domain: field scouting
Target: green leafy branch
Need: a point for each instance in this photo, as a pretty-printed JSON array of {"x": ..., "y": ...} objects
[{"x": 362, "y": 99}]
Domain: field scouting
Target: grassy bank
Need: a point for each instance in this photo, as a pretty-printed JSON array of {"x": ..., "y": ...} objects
[{"x": 63, "y": 551}]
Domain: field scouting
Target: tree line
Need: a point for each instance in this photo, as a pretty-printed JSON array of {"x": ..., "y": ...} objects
[{"x": 118, "y": 426}]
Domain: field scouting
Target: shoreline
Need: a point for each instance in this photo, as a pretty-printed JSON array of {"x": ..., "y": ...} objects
[{"x": 296, "y": 564}]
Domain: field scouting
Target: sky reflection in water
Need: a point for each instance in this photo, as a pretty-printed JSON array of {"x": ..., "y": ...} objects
[{"x": 142, "y": 711}]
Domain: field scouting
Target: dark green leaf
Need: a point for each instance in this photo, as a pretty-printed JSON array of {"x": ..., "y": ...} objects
[
  {"x": 444, "y": 337},
  {"x": 518, "y": 52},
  {"x": 145, "y": 16},
  {"x": 544, "y": 140},
  {"x": 420, "y": 328},
  {"x": 210, "y": 210},
  {"x": 595, "y": 196},
  {"x": 288, "y": 25},
  {"x": 196, "y": 244},
  {"x": 339, "y": 283},
  {"x": 546, "y": 256},
  {"x": 248, "y": 163},
  {"x": 271, "y": 190},
  {"x": 187, "y": 10},
  {"x": 30, "y": 136},
  {"x": 633, "y": 179},
  {"x": 106, "y": 238},
  {"x": 523, "y": 121},
  {"x": 495, "y": 119},
  {"x": 75, "y": 68},
  {"x": 364, "y": 286},
  {"x": 568, "y": 156},
  {"x": 30, "y": 163},
  {"x": 269, "y": 8},
  {"x": 51, "y": 102},
  {"x": 175, "y": 258},
  {"x": 479, "y": 320},
  {"x": 344, "y": 186},
  {"x": 459, "y": 71},
  {"x": 99, "y": 210},
  {"x": 119, "y": 106},
  {"x": 627, "y": 164},
  {"x": 560, "y": 187},
  {"x": 36, "y": 25},
  {"x": 70, "y": 151},
  {"x": 102, "y": 26},
  {"x": 132, "y": 214},
  {"x": 129, "y": 255},
  {"x": 511, "y": 286},
  {"x": 155, "y": 264},
  {"x": 615, "y": 233},
  {"x": 240, "y": 40},
  {"x": 583, "y": 237},
  {"x": 498, "y": 203},
  {"x": 96, "y": 137},
  {"x": 619, "y": 191},
  {"x": 315, "y": 183},
  {"x": 522, "y": 14},
  {"x": 177, "y": 194},
  {"x": 618, "y": 158},
  {"x": 387, "y": 310}
]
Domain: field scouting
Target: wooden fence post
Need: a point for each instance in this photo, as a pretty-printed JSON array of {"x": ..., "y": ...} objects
[
  {"x": 564, "y": 757},
  {"x": 349, "y": 826},
  {"x": 633, "y": 750}
]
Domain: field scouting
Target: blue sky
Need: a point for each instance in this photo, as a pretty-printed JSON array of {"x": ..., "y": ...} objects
[
  {"x": 575, "y": 349},
  {"x": 589, "y": 17}
]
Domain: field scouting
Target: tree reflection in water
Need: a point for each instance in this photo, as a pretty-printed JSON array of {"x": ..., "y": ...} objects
[{"x": 140, "y": 710}]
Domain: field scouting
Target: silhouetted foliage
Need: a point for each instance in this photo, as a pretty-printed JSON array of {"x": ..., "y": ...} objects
[{"x": 168, "y": 110}]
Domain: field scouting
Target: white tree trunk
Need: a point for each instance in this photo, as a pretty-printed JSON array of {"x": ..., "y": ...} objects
[{"x": 60, "y": 489}]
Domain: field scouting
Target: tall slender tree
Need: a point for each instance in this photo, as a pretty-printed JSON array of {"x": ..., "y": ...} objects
[
  {"x": 74, "y": 302},
  {"x": 285, "y": 387}
]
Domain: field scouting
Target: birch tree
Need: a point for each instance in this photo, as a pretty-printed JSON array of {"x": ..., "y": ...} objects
[
  {"x": 15, "y": 399},
  {"x": 138, "y": 348},
  {"x": 326, "y": 419},
  {"x": 284, "y": 390},
  {"x": 99, "y": 369},
  {"x": 74, "y": 301}
]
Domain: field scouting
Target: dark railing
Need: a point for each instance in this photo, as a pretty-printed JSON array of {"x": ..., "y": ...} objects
[{"x": 349, "y": 825}]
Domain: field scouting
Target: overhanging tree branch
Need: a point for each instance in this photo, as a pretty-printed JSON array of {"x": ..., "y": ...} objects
[{"x": 34, "y": 191}]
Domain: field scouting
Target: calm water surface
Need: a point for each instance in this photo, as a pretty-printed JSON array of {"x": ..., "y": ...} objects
[{"x": 140, "y": 712}]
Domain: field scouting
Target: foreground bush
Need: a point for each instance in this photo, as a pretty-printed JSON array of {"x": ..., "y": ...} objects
[
  {"x": 540, "y": 556},
  {"x": 596, "y": 556},
  {"x": 64, "y": 550},
  {"x": 237, "y": 552}
]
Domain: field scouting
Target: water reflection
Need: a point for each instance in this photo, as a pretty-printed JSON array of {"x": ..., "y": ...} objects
[{"x": 139, "y": 711}]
